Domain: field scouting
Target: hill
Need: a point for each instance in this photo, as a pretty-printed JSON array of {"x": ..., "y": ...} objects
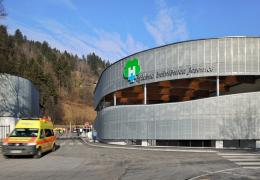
[{"x": 65, "y": 81}]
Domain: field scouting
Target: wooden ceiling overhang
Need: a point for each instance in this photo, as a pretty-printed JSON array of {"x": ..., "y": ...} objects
[{"x": 177, "y": 90}]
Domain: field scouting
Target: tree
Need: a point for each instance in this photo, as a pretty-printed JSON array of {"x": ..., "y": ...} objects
[
  {"x": 107, "y": 64},
  {"x": 63, "y": 71},
  {"x": 4, "y": 49},
  {"x": 96, "y": 63},
  {"x": 18, "y": 36},
  {"x": 2, "y": 10},
  {"x": 60, "y": 77}
]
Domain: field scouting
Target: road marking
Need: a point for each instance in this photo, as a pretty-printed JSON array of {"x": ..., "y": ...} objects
[
  {"x": 211, "y": 173},
  {"x": 245, "y": 160},
  {"x": 71, "y": 143},
  {"x": 256, "y": 160},
  {"x": 238, "y": 154},
  {"x": 248, "y": 163},
  {"x": 252, "y": 167},
  {"x": 242, "y": 157},
  {"x": 239, "y": 175}
]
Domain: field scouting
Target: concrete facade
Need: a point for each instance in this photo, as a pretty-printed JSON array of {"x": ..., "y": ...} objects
[
  {"x": 224, "y": 117},
  {"x": 223, "y": 56},
  {"x": 18, "y": 98},
  {"x": 227, "y": 117}
]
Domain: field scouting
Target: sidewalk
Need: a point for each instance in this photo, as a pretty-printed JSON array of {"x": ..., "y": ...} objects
[
  {"x": 169, "y": 148},
  {"x": 149, "y": 148}
]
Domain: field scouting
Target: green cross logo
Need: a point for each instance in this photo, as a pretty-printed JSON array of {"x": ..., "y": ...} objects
[{"x": 131, "y": 70}]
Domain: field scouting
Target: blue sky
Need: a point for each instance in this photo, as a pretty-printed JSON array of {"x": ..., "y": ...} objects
[{"x": 114, "y": 29}]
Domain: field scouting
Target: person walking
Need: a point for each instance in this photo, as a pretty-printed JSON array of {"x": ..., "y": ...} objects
[{"x": 94, "y": 135}]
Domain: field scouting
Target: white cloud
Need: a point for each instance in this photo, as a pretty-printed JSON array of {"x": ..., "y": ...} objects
[
  {"x": 69, "y": 4},
  {"x": 168, "y": 25},
  {"x": 132, "y": 45},
  {"x": 66, "y": 3},
  {"x": 113, "y": 45},
  {"x": 33, "y": 33},
  {"x": 109, "y": 45}
]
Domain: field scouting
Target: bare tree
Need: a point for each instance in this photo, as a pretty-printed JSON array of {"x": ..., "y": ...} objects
[{"x": 2, "y": 10}]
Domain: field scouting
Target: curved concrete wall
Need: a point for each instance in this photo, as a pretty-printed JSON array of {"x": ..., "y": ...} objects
[
  {"x": 235, "y": 116},
  {"x": 225, "y": 117},
  {"x": 18, "y": 97},
  {"x": 231, "y": 55}
]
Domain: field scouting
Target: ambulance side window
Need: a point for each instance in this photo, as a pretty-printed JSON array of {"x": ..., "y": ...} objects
[
  {"x": 42, "y": 134},
  {"x": 48, "y": 132}
]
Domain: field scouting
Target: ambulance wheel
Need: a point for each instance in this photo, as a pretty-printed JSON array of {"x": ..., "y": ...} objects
[
  {"x": 53, "y": 147},
  {"x": 38, "y": 154}
]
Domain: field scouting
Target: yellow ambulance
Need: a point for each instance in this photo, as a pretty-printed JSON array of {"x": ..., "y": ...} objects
[{"x": 31, "y": 136}]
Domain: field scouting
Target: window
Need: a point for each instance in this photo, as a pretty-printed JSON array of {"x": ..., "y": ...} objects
[
  {"x": 48, "y": 132},
  {"x": 24, "y": 132}
]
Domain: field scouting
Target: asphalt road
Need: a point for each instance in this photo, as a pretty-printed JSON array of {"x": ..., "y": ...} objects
[{"x": 77, "y": 160}]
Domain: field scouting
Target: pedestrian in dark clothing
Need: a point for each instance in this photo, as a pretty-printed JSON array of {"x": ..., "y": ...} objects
[{"x": 94, "y": 136}]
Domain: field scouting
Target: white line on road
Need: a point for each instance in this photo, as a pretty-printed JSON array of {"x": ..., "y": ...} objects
[
  {"x": 248, "y": 163},
  {"x": 245, "y": 160},
  {"x": 256, "y": 160},
  {"x": 252, "y": 167},
  {"x": 242, "y": 157},
  {"x": 244, "y": 154},
  {"x": 239, "y": 175},
  {"x": 215, "y": 172}
]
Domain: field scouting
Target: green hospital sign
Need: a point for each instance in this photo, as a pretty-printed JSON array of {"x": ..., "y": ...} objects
[{"x": 131, "y": 70}]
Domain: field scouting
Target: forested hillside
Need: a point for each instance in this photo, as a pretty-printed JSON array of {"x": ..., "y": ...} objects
[{"x": 65, "y": 81}]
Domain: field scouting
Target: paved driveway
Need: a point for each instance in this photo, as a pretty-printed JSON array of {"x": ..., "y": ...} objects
[{"x": 77, "y": 160}]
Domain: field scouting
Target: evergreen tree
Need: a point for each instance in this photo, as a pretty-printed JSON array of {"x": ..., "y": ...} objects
[
  {"x": 4, "y": 49},
  {"x": 2, "y": 9},
  {"x": 53, "y": 72},
  {"x": 18, "y": 36},
  {"x": 96, "y": 63}
]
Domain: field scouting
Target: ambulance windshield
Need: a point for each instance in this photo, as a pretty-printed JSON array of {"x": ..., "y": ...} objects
[{"x": 24, "y": 132}]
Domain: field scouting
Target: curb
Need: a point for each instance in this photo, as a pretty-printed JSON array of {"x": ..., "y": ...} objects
[{"x": 147, "y": 149}]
